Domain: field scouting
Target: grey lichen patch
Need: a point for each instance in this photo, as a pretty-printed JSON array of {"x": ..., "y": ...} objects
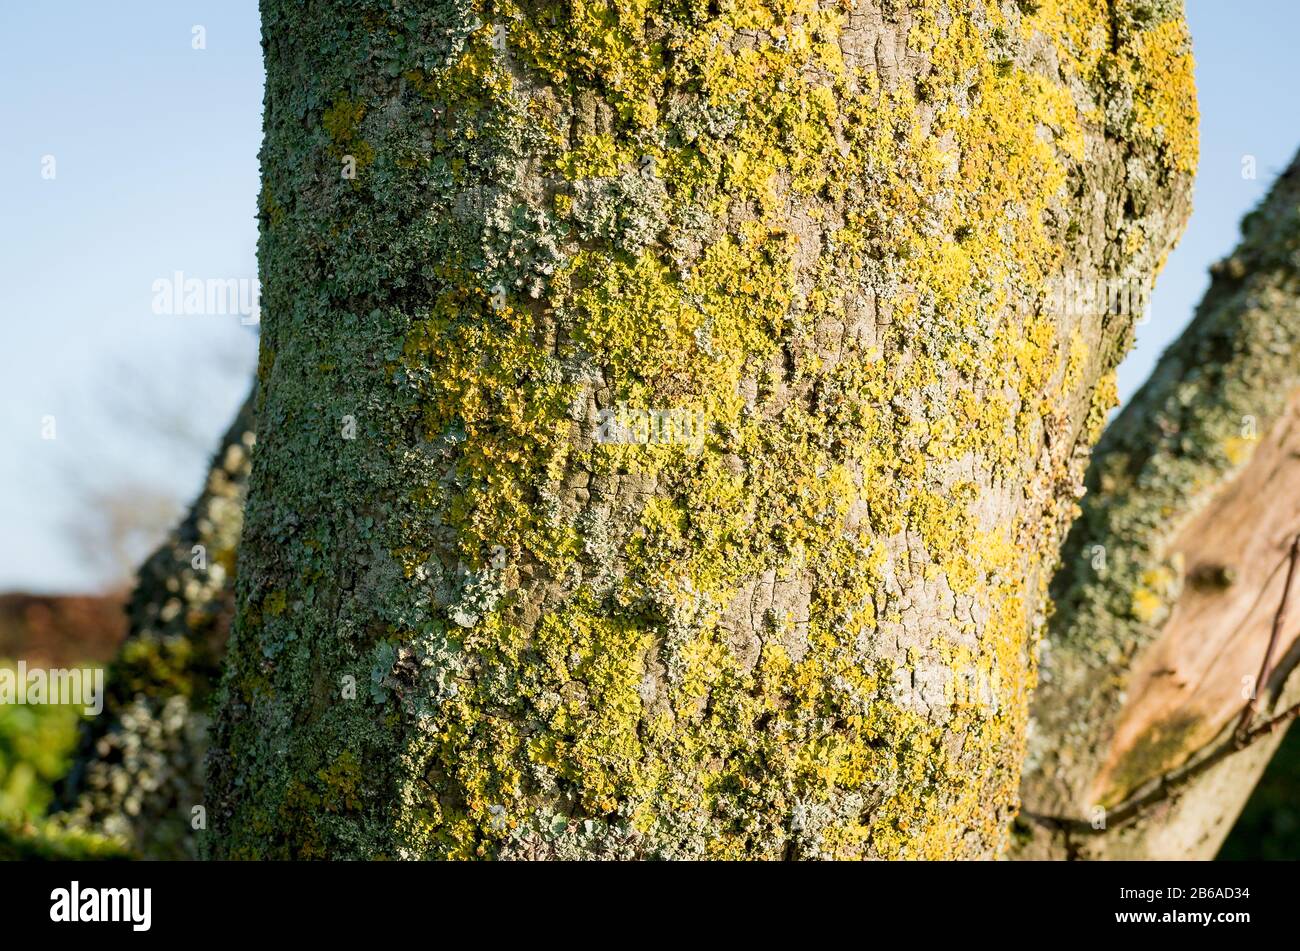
[
  {"x": 519, "y": 248},
  {"x": 1193, "y": 424},
  {"x": 629, "y": 211}
]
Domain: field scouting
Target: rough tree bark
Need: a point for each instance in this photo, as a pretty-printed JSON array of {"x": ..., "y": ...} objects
[
  {"x": 664, "y": 435},
  {"x": 1171, "y": 579}
]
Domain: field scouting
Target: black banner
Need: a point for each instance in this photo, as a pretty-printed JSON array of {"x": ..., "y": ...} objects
[{"x": 1001, "y": 901}]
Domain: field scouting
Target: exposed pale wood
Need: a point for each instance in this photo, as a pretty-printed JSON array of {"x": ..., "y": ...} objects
[{"x": 1191, "y": 681}]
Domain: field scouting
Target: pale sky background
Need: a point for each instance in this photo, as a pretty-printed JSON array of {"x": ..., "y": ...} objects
[{"x": 155, "y": 145}]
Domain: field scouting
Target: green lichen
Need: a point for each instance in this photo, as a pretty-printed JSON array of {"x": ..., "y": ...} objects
[{"x": 342, "y": 123}]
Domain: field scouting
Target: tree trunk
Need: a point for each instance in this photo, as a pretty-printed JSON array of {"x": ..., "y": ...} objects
[
  {"x": 665, "y": 428},
  {"x": 1172, "y": 578}
]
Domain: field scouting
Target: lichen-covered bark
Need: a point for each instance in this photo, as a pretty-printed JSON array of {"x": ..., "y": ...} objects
[
  {"x": 1171, "y": 578},
  {"x": 139, "y": 769},
  {"x": 488, "y": 606}
]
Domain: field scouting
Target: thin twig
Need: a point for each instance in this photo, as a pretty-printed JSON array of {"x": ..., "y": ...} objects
[
  {"x": 1279, "y": 620},
  {"x": 1268, "y": 726},
  {"x": 1243, "y": 736}
]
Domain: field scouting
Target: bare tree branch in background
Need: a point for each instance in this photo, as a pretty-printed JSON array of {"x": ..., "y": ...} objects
[
  {"x": 139, "y": 430},
  {"x": 1166, "y": 599}
]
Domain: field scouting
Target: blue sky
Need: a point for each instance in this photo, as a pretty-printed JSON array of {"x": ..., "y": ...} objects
[
  {"x": 155, "y": 145},
  {"x": 1247, "y": 77},
  {"x": 155, "y": 149}
]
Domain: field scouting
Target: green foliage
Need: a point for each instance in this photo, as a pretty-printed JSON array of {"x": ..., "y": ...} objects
[
  {"x": 36, "y": 742},
  {"x": 45, "y": 841},
  {"x": 36, "y": 745}
]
